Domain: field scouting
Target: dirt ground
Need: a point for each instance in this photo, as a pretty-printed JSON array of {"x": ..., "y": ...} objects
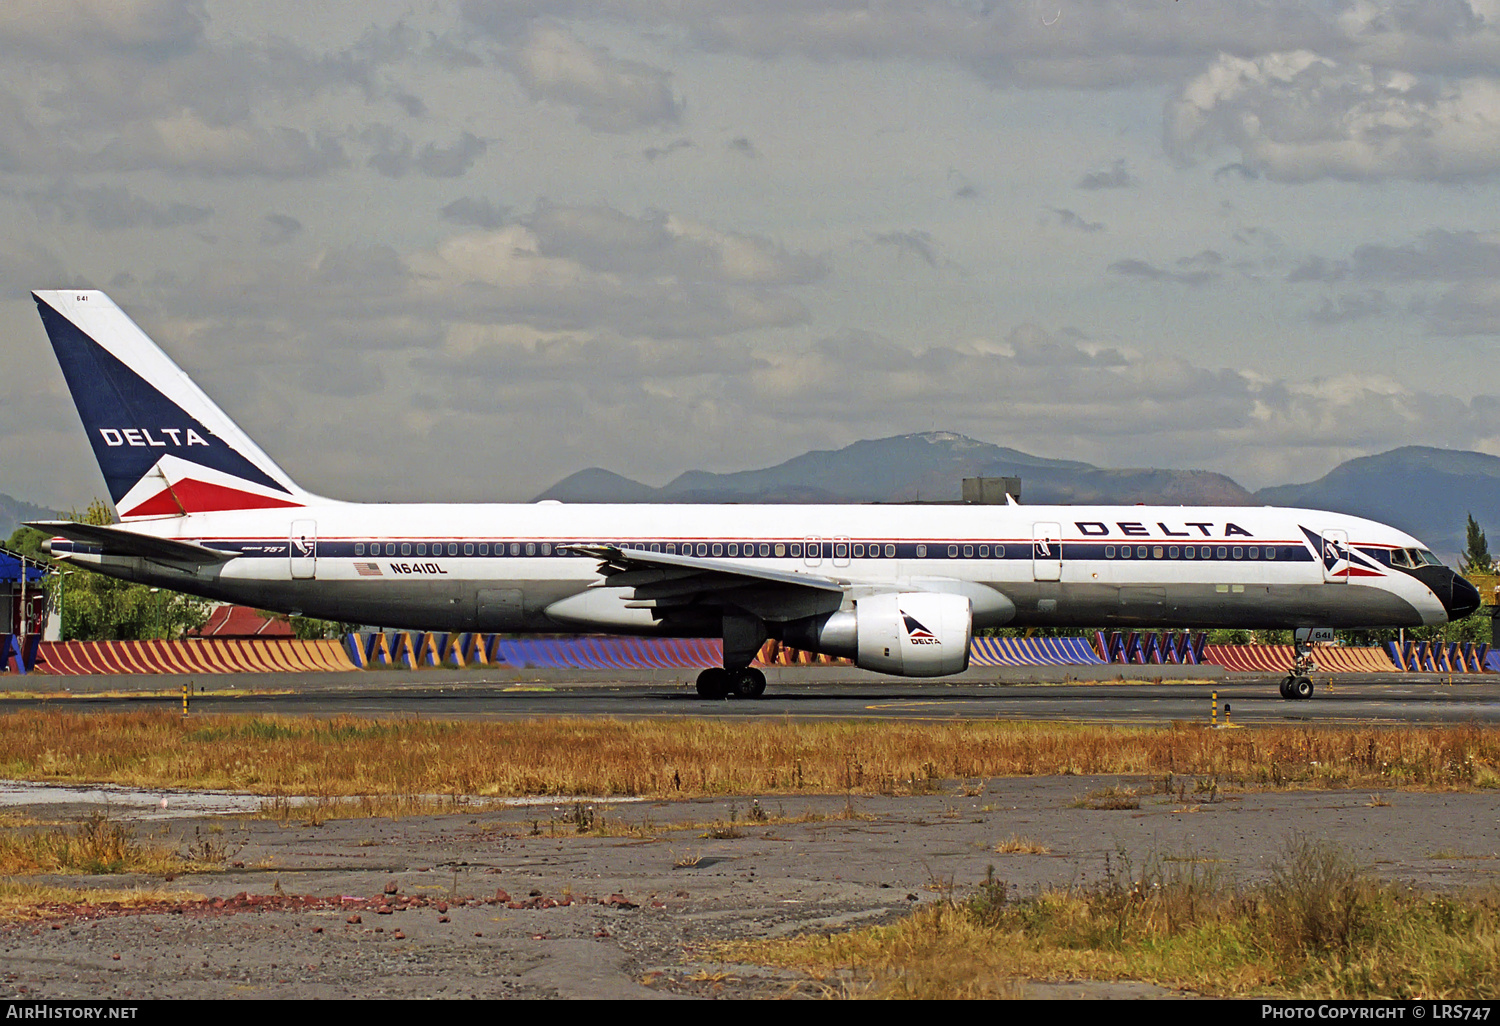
[{"x": 516, "y": 902}]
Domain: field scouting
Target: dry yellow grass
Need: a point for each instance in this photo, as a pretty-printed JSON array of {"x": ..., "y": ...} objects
[
  {"x": 1014, "y": 845},
  {"x": 93, "y": 846},
  {"x": 21, "y": 900},
  {"x": 347, "y": 757},
  {"x": 1318, "y": 928}
]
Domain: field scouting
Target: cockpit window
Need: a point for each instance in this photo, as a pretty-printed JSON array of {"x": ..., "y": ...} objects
[
  {"x": 1429, "y": 558},
  {"x": 1400, "y": 558}
]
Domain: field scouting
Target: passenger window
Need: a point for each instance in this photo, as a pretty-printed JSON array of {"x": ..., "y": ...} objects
[
  {"x": 656, "y": 546},
  {"x": 421, "y": 549},
  {"x": 515, "y": 548},
  {"x": 780, "y": 549},
  {"x": 1172, "y": 552},
  {"x": 1109, "y": 552},
  {"x": 484, "y": 549},
  {"x": 1140, "y": 552},
  {"x": 952, "y": 551},
  {"x": 718, "y": 549},
  {"x": 671, "y": 548},
  {"x": 1238, "y": 552},
  {"x": 984, "y": 552},
  {"x": 765, "y": 549},
  {"x": 1156, "y": 552},
  {"x": 359, "y": 548},
  {"x": 1124, "y": 551},
  {"x": 840, "y": 550},
  {"x": 859, "y": 550},
  {"x": 546, "y": 548},
  {"x": 1223, "y": 552},
  {"x": 1270, "y": 552},
  {"x": 890, "y": 550},
  {"x": 795, "y": 549},
  {"x": 406, "y": 548},
  {"x": 921, "y": 551},
  {"x": 1254, "y": 552},
  {"x": 1205, "y": 552},
  {"x": 999, "y": 551},
  {"x": 1190, "y": 552},
  {"x": 453, "y": 548},
  {"x": 702, "y": 549},
  {"x": 530, "y": 548},
  {"x": 468, "y": 548}
]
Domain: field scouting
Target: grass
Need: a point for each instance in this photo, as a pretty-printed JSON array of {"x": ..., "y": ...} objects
[
  {"x": 94, "y": 846},
  {"x": 1014, "y": 845},
  {"x": 26, "y": 901},
  {"x": 355, "y": 758},
  {"x": 1319, "y": 926}
]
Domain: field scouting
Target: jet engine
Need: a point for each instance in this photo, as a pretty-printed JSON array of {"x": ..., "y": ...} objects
[{"x": 909, "y": 634}]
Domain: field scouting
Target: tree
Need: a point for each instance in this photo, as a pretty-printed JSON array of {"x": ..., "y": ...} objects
[
  {"x": 100, "y": 608},
  {"x": 1476, "y": 558}
]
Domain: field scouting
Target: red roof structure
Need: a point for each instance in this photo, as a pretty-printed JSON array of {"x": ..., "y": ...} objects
[{"x": 242, "y": 622}]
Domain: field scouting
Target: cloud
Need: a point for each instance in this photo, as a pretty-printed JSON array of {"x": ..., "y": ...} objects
[
  {"x": 1465, "y": 263},
  {"x": 107, "y": 208},
  {"x": 743, "y": 146},
  {"x": 279, "y": 228},
  {"x": 185, "y": 145},
  {"x": 657, "y": 152},
  {"x": 140, "y": 85},
  {"x": 608, "y": 94},
  {"x": 1068, "y": 219},
  {"x": 1352, "y": 306},
  {"x": 1132, "y": 267},
  {"x": 1115, "y": 177},
  {"x": 396, "y": 157},
  {"x": 913, "y": 242},
  {"x": 476, "y": 213},
  {"x": 1105, "y": 44},
  {"x": 1299, "y": 117}
]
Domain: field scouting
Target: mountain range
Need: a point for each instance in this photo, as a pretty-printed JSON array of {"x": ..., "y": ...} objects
[{"x": 1425, "y": 491}]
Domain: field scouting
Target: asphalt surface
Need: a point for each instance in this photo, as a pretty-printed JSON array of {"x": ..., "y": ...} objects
[{"x": 1125, "y": 694}]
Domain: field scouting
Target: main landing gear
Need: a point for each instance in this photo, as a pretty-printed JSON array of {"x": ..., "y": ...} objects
[{"x": 718, "y": 682}]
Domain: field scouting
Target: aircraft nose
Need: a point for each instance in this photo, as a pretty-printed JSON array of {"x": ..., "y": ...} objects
[{"x": 1462, "y": 599}]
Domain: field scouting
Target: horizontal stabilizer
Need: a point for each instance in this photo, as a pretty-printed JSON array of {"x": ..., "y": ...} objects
[{"x": 116, "y": 541}]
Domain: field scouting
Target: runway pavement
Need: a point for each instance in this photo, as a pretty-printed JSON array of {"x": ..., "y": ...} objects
[{"x": 1126, "y": 694}]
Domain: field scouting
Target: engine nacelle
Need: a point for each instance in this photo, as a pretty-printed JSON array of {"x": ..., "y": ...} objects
[{"x": 909, "y": 634}]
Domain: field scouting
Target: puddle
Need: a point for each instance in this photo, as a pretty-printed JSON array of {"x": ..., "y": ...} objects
[{"x": 155, "y": 804}]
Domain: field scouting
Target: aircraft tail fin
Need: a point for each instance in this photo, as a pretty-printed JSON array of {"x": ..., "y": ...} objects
[{"x": 163, "y": 445}]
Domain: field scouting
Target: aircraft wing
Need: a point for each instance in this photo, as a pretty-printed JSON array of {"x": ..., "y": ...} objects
[
  {"x": 663, "y": 581},
  {"x": 117, "y": 541}
]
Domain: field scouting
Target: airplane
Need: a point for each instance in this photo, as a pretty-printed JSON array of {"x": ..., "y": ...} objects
[{"x": 899, "y": 589}]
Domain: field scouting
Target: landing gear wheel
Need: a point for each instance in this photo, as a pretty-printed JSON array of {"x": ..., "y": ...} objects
[
  {"x": 1286, "y": 688},
  {"x": 714, "y": 682},
  {"x": 1302, "y": 687},
  {"x": 747, "y": 683}
]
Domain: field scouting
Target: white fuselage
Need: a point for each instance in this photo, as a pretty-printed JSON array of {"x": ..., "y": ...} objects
[{"x": 498, "y": 567}]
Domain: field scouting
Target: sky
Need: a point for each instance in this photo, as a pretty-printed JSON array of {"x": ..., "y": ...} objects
[{"x": 459, "y": 251}]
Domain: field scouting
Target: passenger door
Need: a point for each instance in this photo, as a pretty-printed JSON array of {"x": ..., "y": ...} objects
[
  {"x": 302, "y": 549},
  {"x": 1335, "y": 557},
  {"x": 1046, "y": 552}
]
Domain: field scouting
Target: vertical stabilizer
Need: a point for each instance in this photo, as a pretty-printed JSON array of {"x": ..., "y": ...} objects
[{"x": 165, "y": 449}]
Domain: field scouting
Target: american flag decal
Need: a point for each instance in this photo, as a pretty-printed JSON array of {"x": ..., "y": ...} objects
[{"x": 368, "y": 569}]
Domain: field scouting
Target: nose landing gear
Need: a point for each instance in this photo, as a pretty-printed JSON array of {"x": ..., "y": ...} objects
[{"x": 1298, "y": 684}]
